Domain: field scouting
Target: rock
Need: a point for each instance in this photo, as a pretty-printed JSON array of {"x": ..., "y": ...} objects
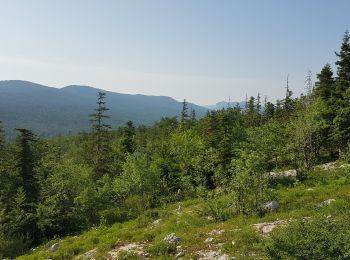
[
  {"x": 209, "y": 240},
  {"x": 288, "y": 174},
  {"x": 326, "y": 202},
  {"x": 156, "y": 222},
  {"x": 233, "y": 242},
  {"x": 266, "y": 228},
  {"x": 89, "y": 255},
  {"x": 209, "y": 255},
  {"x": 172, "y": 239},
  {"x": 181, "y": 254},
  {"x": 216, "y": 232},
  {"x": 271, "y": 206},
  {"x": 327, "y": 166},
  {"x": 136, "y": 248},
  {"x": 54, "y": 247}
]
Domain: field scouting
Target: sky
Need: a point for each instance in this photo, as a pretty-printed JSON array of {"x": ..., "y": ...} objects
[{"x": 204, "y": 51}]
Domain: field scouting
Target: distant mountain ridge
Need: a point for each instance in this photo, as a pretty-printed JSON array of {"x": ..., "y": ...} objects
[
  {"x": 52, "y": 111},
  {"x": 225, "y": 104}
]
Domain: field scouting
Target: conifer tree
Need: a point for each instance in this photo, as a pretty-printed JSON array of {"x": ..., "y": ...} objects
[
  {"x": 343, "y": 66},
  {"x": 129, "y": 134},
  {"x": 26, "y": 162},
  {"x": 193, "y": 119},
  {"x": 184, "y": 115},
  {"x": 341, "y": 128},
  {"x": 325, "y": 85},
  {"x": 101, "y": 149}
]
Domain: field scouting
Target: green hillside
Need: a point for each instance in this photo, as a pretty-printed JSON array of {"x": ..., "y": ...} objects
[
  {"x": 271, "y": 181},
  {"x": 207, "y": 227}
]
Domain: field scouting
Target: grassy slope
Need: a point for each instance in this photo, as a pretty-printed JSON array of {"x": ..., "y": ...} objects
[{"x": 192, "y": 225}]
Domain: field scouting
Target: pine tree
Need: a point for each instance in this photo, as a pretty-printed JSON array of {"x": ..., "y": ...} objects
[
  {"x": 101, "y": 149},
  {"x": 341, "y": 129},
  {"x": 343, "y": 66},
  {"x": 184, "y": 115},
  {"x": 26, "y": 163},
  {"x": 129, "y": 134},
  {"x": 193, "y": 119},
  {"x": 269, "y": 110},
  {"x": 325, "y": 85}
]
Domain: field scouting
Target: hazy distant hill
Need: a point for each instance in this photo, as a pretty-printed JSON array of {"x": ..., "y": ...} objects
[
  {"x": 50, "y": 111},
  {"x": 224, "y": 104}
]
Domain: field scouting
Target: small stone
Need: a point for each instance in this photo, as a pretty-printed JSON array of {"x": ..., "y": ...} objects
[
  {"x": 266, "y": 228},
  {"x": 156, "y": 222},
  {"x": 172, "y": 239},
  {"x": 181, "y": 254},
  {"x": 326, "y": 202},
  {"x": 216, "y": 232},
  {"x": 233, "y": 242},
  {"x": 209, "y": 240},
  {"x": 271, "y": 206},
  {"x": 310, "y": 189},
  {"x": 54, "y": 247}
]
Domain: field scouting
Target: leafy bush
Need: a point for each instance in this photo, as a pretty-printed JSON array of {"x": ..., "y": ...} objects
[
  {"x": 162, "y": 249},
  {"x": 220, "y": 209},
  {"x": 320, "y": 238}
]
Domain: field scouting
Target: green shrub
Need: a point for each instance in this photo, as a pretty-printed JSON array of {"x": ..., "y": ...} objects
[
  {"x": 220, "y": 209},
  {"x": 112, "y": 215},
  {"x": 319, "y": 238},
  {"x": 162, "y": 249}
]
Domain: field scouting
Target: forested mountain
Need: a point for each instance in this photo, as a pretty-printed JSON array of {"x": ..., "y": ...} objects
[{"x": 50, "y": 111}]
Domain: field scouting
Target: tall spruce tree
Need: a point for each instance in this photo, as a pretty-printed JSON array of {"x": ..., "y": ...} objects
[
  {"x": 325, "y": 84},
  {"x": 341, "y": 129},
  {"x": 129, "y": 134},
  {"x": 26, "y": 162},
  {"x": 101, "y": 144},
  {"x": 184, "y": 115}
]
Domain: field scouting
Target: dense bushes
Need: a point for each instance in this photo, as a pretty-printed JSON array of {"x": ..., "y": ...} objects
[{"x": 319, "y": 238}]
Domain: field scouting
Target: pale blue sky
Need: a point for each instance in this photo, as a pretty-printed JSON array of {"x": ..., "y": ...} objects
[{"x": 200, "y": 50}]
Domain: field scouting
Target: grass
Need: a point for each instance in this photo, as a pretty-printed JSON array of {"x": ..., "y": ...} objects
[{"x": 189, "y": 220}]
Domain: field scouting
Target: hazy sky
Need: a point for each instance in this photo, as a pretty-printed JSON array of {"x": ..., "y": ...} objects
[{"x": 204, "y": 51}]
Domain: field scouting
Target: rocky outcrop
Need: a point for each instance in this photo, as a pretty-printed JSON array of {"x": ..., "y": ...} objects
[
  {"x": 271, "y": 206},
  {"x": 284, "y": 174},
  {"x": 172, "y": 239},
  {"x": 267, "y": 227},
  {"x": 132, "y": 248},
  {"x": 210, "y": 254},
  {"x": 89, "y": 255},
  {"x": 326, "y": 202},
  {"x": 54, "y": 247}
]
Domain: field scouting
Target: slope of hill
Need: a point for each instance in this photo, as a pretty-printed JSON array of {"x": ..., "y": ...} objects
[
  {"x": 206, "y": 230},
  {"x": 51, "y": 111}
]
